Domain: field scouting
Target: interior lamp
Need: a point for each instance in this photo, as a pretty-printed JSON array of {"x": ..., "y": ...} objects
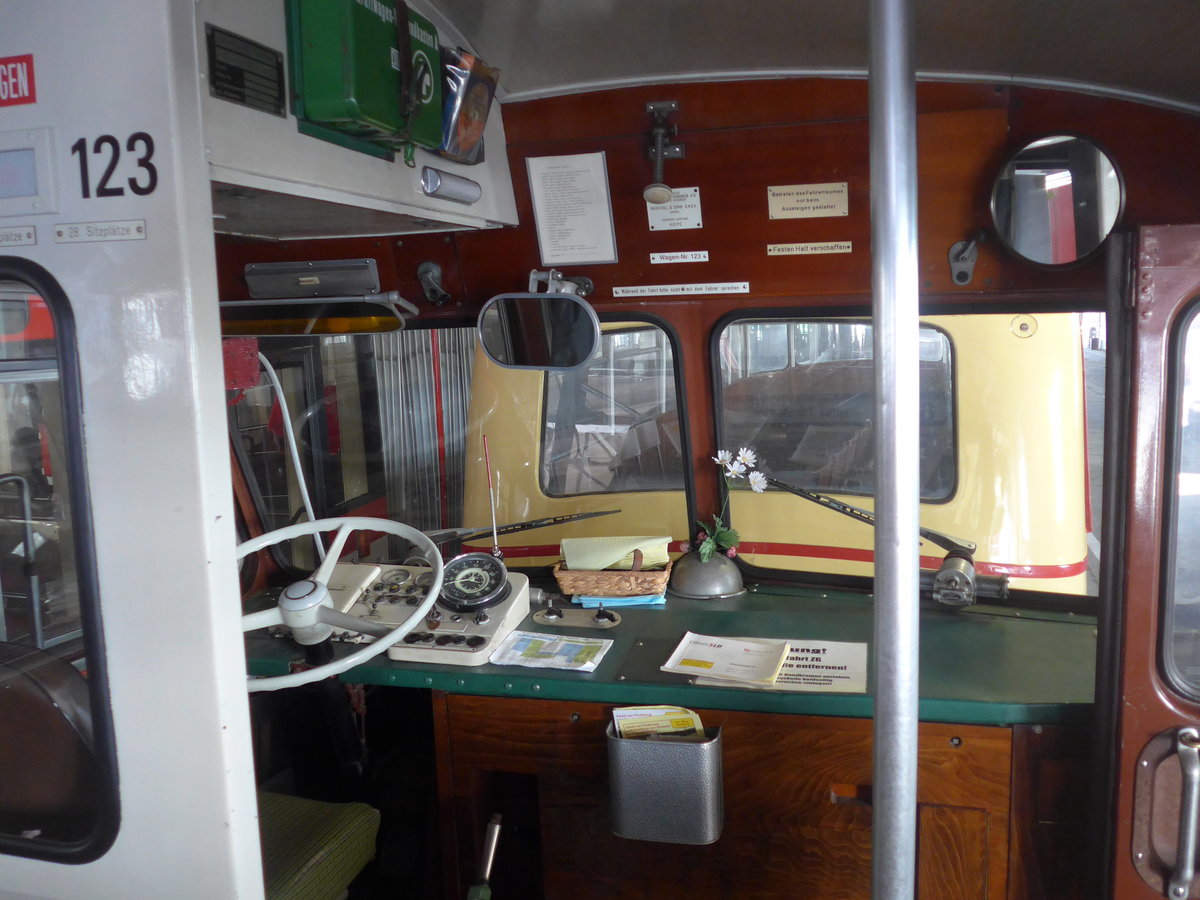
[{"x": 663, "y": 146}]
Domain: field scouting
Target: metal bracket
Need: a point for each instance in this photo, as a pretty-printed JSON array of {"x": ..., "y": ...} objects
[
  {"x": 557, "y": 283},
  {"x": 429, "y": 274},
  {"x": 573, "y": 617},
  {"x": 962, "y": 257}
]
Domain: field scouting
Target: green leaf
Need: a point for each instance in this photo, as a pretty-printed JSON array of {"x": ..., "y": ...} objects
[
  {"x": 727, "y": 537},
  {"x": 707, "y": 548}
]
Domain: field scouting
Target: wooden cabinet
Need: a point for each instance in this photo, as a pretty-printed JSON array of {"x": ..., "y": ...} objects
[{"x": 797, "y": 797}]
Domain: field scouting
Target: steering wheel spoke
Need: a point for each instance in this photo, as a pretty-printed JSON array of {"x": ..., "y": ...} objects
[
  {"x": 319, "y": 610},
  {"x": 264, "y": 618},
  {"x": 333, "y": 554}
]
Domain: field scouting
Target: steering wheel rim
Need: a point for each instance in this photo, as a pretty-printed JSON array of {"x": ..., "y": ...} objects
[{"x": 344, "y": 526}]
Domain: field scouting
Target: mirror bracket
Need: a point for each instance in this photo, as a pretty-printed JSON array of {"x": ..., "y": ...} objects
[
  {"x": 557, "y": 283},
  {"x": 429, "y": 274},
  {"x": 962, "y": 258}
]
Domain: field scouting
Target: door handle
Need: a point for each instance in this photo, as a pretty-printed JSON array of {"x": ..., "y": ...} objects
[{"x": 1187, "y": 748}]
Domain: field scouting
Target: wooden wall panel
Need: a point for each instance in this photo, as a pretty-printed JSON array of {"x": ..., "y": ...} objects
[{"x": 797, "y": 804}]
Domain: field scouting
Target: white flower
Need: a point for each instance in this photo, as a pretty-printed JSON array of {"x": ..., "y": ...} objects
[
  {"x": 758, "y": 482},
  {"x": 735, "y": 469},
  {"x": 747, "y": 457},
  {"x": 723, "y": 458}
]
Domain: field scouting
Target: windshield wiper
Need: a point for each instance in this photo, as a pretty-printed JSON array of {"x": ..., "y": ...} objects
[{"x": 955, "y": 583}]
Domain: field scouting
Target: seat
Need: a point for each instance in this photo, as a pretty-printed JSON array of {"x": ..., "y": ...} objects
[{"x": 311, "y": 850}]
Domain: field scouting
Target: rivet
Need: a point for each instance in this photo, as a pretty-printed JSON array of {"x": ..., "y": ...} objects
[{"x": 536, "y": 688}]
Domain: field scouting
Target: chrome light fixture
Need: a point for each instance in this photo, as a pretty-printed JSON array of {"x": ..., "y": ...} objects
[{"x": 663, "y": 146}]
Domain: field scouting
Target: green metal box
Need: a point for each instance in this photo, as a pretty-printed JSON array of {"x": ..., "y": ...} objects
[{"x": 350, "y": 73}]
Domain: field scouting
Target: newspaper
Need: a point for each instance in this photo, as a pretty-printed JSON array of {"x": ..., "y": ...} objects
[{"x": 550, "y": 651}]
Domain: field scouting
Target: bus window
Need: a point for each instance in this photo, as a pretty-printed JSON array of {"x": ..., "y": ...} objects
[
  {"x": 996, "y": 391},
  {"x": 57, "y": 780},
  {"x": 377, "y": 421},
  {"x": 613, "y": 425},
  {"x": 602, "y": 438},
  {"x": 1182, "y": 581},
  {"x": 801, "y": 393}
]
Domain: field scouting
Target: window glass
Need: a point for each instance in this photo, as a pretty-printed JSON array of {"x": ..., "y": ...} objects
[
  {"x": 612, "y": 425},
  {"x": 376, "y": 423},
  {"x": 802, "y": 394},
  {"x": 57, "y": 794},
  {"x": 1011, "y": 425},
  {"x": 1183, "y": 532}
]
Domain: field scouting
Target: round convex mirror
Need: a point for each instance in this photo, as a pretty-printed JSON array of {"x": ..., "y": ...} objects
[
  {"x": 539, "y": 331},
  {"x": 1056, "y": 200}
]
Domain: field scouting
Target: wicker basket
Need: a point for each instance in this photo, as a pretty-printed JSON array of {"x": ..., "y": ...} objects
[{"x": 611, "y": 582}]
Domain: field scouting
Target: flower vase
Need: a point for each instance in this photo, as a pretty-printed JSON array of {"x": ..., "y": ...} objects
[{"x": 718, "y": 579}]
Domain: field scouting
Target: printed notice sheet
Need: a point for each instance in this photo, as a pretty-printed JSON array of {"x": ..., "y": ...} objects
[
  {"x": 743, "y": 660},
  {"x": 550, "y": 651},
  {"x": 636, "y": 721},
  {"x": 572, "y": 209},
  {"x": 824, "y": 667}
]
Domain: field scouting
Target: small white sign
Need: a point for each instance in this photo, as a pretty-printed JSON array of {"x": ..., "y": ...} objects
[
  {"x": 85, "y": 232},
  {"x": 681, "y": 211},
  {"x": 808, "y": 201},
  {"x": 679, "y": 256},
  {"x": 18, "y": 236},
  {"x": 812, "y": 249},
  {"x": 666, "y": 290}
]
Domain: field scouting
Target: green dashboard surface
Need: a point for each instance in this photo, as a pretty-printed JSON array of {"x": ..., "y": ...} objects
[{"x": 984, "y": 665}]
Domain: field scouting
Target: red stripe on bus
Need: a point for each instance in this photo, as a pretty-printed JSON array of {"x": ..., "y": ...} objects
[
  {"x": 850, "y": 554},
  {"x": 435, "y": 354}
]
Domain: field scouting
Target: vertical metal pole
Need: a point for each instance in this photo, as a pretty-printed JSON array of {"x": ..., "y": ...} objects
[{"x": 897, "y": 449}]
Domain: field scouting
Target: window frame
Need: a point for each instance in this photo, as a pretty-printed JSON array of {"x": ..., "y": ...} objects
[
  {"x": 829, "y": 315},
  {"x": 1172, "y": 463},
  {"x": 108, "y": 819},
  {"x": 681, "y": 407}
]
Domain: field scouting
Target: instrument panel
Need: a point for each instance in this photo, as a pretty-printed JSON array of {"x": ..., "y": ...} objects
[{"x": 479, "y": 605}]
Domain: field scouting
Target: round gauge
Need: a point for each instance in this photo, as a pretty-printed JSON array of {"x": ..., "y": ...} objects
[{"x": 473, "y": 581}]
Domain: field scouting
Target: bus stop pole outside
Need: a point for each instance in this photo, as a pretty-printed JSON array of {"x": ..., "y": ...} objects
[{"x": 897, "y": 448}]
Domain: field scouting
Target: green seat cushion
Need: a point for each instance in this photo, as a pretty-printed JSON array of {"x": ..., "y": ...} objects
[{"x": 312, "y": 850}]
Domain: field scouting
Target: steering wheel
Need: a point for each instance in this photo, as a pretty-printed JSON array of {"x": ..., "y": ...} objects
[{"x": 307, "y": 608}]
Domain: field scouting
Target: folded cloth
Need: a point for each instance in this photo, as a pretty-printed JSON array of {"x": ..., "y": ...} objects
[{"x": 611, "y": 602}]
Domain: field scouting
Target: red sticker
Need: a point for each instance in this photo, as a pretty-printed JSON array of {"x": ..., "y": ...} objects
[{"x": 16, "y": 80}]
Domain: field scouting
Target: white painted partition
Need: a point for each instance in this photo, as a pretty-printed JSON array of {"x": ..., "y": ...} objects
[{"x": 156, "y": 447}]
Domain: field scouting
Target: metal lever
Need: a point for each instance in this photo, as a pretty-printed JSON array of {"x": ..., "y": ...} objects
[
  {"x": 962, "y": 257},
  {"x": 1187, "y": 748}
]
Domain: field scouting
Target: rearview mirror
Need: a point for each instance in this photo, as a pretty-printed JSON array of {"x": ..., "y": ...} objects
[
  {"x": 1056, "y": 200},
  {"x": 539, "y": 331}
]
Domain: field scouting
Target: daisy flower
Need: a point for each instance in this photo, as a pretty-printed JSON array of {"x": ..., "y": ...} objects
[
  {"x": 747, "y": 457},
  {"x": 758, "y": 482}
]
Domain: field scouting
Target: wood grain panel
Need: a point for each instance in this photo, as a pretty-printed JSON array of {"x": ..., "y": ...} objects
[
  {"x": 794, "y": 821},
  {"x": 952, "y": 857}
]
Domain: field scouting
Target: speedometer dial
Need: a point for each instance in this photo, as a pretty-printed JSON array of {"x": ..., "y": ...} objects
[{"x": 474, "y": 581}]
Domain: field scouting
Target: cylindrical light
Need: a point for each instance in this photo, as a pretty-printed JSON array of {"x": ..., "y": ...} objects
[{"x": 444, "y": 186}]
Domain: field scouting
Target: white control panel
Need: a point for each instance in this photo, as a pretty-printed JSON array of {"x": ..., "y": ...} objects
[{"x": 389, "y": 595}]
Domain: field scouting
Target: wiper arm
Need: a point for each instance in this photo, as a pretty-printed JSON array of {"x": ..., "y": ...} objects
[
  {"x": 955, "y": 582},
  {"x": 945, "y": 541}
]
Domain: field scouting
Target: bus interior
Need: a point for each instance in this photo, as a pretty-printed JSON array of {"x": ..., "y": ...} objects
[{"x": 336, "y": 335}]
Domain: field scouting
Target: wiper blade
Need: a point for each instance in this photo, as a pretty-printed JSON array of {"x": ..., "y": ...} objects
[{"x": 465, "y": 534}]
